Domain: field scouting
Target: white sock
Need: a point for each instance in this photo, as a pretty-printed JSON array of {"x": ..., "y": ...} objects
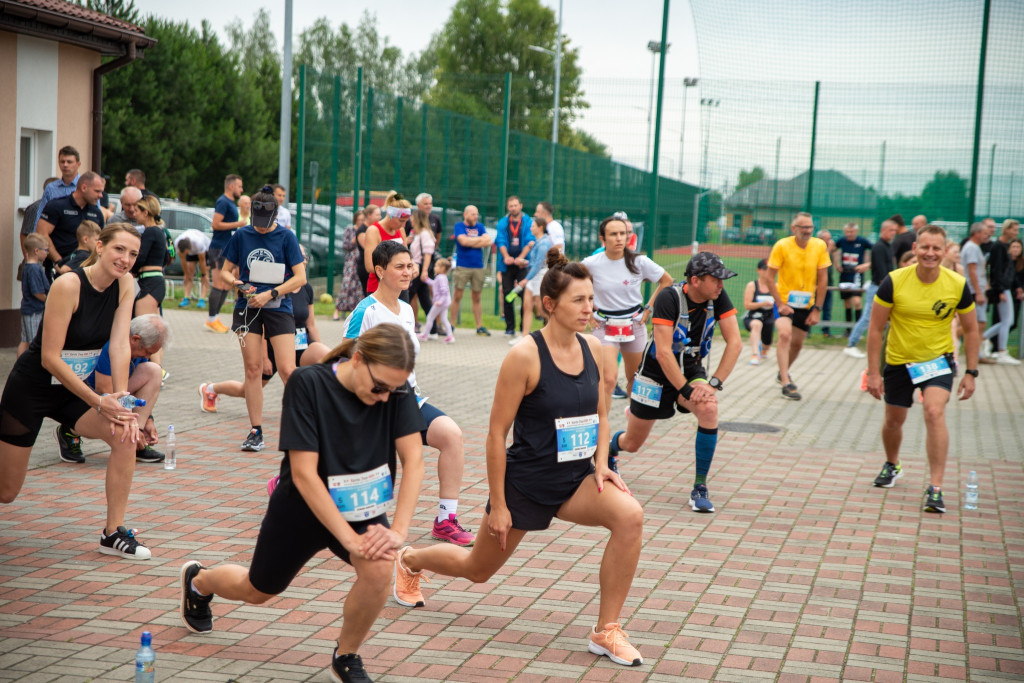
[
  {"x": 210, "y": 318},
  {"x": 445, "y": 507},
  {"x": 192, "y": 585}
]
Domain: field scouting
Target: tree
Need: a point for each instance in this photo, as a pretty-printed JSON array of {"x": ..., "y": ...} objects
[
  {"x": 749, "y": 177},
  {"x": 945, "y": 197}
]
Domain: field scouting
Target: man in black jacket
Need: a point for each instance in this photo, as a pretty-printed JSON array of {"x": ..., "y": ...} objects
[
  {"x": 882, "y": 263},
  {"x": 1000, "y": 293}
]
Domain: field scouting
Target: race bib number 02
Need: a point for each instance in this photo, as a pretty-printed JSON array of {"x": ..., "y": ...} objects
[
  {"x": 930, "y": 369},
  {"x": 646, "y": 391},
  {"x": 576, "y": 437},
  {"x": 82, "y": 363},
  {"x": 360, "y": 497}
]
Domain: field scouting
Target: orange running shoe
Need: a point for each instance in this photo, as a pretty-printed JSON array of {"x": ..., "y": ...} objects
[
  {"x": 614, "y": 644},
  {"x": 407, "y": 583},
  {"x": 208, "y": 399},
  {"x": 217, "y": 326}
]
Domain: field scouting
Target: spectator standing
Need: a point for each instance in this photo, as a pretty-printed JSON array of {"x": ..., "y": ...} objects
[
  {"x": 1001, "y": 275},
  {"x": 225, "y": 222},
  {"x": 1016, "y": 249},
  {"x": 69, "y": 162},
  {"x": 441, "y": 299},
  {"x": 284, "y": 217},
  {"x": 974, "y": 261},
  {"x": 423, "y": 249},
  {"x": 906, "y": 237},
  {"x": 29, "y": 217},
  {"x": 826, "y": 303},
  {"x": 554, "y": 228},
  {"x": 882, "y": 263},
  {"x": 136, "y": 178},
  {"x": 425, "y": 203},
  {"x": 60, "y": 218},
  {"x": 470, "y": 241},
  {"x": 130, "y": 197},
  {"x": 34, "y": 288},
  {"x": 851, "y": 258},
  {"x": 514, "y": 241},
  {"x": 350, "y": 293},
  {"x": 535, "y": 275}
]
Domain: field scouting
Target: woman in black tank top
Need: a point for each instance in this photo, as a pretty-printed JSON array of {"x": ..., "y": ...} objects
[
  {"x": 549, "y": 387},
  {"x": 85, "y": 309},
  {"x": 760, "y": 316}
]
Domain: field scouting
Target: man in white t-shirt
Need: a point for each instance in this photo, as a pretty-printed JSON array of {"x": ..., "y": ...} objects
[
  {"x": 191, "y": 247},
  {"x": 284, "y": 219},
  {"x": 554, "y": 228}
]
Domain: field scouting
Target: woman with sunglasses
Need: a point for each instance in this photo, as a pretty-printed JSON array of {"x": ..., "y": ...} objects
[
  {"x": 270, "y": 265},
  {"x": 395, "y": 270},
  {"x": 341, "y": 423}
]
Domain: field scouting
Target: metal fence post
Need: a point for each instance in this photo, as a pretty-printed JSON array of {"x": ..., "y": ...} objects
[
  {"x": 300, "y": 170},
  {"x": 972, "y": 194},
  {"x": 398, "y": 144},
  {"x": 335, "y": 143},
  {"x": 653, "y": 213},
  {"x": 808, "y": 203},
  {"x": 369, "y": 149},
  {"x": 357, "y": 154},
  {"x": 423, "y": 158},
  {"x": 504, "y": 164}
]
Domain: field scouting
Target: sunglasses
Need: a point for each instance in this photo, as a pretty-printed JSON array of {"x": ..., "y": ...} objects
[
  {"x": 264, "y": 206},
  {"x": 380, "y": 388}
]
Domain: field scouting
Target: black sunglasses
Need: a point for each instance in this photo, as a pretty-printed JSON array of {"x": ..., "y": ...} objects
[
  {"x": 380, "y": 388},
  {"x": 264, "y": 206}
]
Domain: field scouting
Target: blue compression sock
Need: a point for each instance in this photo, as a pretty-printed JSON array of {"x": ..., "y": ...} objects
[{"x": 704, "y": 445}]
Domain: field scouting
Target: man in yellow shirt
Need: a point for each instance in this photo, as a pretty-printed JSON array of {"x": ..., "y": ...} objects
[
  {"x": 801, "y": 265},
  {"x": 918, "y": 302}
]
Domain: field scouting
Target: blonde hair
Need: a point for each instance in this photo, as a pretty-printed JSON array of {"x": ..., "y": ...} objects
[
  {"x": 442, "y": 264},
  {"x": 397, "y": 200},
  {"x": 152, "y": 206},
  {"x": 419, "y": 221},
  {"x": 106, "y": 236},
  {"x": 385, "y": 344},
  {"x": 34, "y": 240},
  {"x": 87, "y": 229}
]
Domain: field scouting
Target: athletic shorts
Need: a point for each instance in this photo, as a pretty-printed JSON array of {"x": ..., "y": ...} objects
[
  {"x": 192, "y": 258},
  {"x": 767, "y": 325},
  {"x": 982, "y": 312},
  {"x": 265, "y": 322},
  {"x": 474, "y": 277},
  {"x": 799, "y": 318},
  {"x": 899, "y": 390},
  {"x": 844, "y": 295},
  {"x": 289, "y": 537},
  {"x": 273, "y": 361},
  {"x": 533, "y": 284},
  {"x": 152, "y": 285},
  {"x": 30, "y": 323},
  {"x": 528, "y": 515},
  {"x": 214, "y": 258},
  {"x": 668, "y": 405},
  {"x": 27, "y": 400},
  {"x": 429, "y": 413},
  {"x": 636, "y": 346}
]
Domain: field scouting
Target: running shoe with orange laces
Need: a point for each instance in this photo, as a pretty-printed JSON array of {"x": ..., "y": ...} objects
[
  {"x": 208, "y": 399},
  {"x": 407, "y": 583},
  {"x": 614, "y": 644}
]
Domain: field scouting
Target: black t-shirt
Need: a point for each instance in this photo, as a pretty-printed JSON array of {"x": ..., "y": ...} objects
[
  {"x": 318, "y": 414},
  {"x": 301, "y": 299},
  {"x": 903, "y": 243},
  {"x": 65, "y": 215},
  {"x": 364, "y": 274},
  {"x": 666, "y": 312},
  {"x": 153, "y": 249},
  {"x": 76, "y": 259},
  {"x": 1000, "y": 268},
  {"x": 882, "y": 262}
]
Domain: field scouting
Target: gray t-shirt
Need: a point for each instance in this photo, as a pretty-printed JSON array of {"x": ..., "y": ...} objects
[{"x": 971, "y": 253}]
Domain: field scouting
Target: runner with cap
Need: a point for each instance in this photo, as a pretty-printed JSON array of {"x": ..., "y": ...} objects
[{"x": 673, "y": 374}]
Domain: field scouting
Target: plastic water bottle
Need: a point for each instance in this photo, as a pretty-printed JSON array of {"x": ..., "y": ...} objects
[
  {"x": 516, "y": 291},
  {"x": 971, "y": 492},
  {"x": 170, "y": 459},
  {"x": 128, "y": 402},
  {"x": 145, "y": 660}
]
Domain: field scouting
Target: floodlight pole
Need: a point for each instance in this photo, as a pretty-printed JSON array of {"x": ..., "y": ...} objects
[
  {"x": 284, "y": 159},
  {"x": 653, "y": 212},
  {"x": 687, "y": 83},
  {"x": 979, "y": 102}
]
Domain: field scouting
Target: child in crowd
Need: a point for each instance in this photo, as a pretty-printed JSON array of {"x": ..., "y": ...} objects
[
  {"x": 34, "y": 288},
  {"x": 87, "y": 234},
  {"x": 908, "y": 259},
  {"x": 442, "y": 299}
]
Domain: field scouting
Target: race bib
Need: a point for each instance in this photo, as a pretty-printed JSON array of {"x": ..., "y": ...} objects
[
  {"x": 764, "y": 298},
  {"x": 82, "y": 363},
  {"x": 922, "y": 372},
  {"x": 798, "y": 299},
  {"x": 360, "y": 497},
  {"x": 576, "y": 437},
  {"x": 646, "y": 391},
  {"x": 301, "y": 339},
  {"x": 619, "y": 330}
]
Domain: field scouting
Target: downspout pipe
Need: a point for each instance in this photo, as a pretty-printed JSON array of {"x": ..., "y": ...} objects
[{"x": 128, "y": 57}]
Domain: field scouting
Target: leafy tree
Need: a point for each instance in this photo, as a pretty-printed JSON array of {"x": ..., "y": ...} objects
[
  {"x": 119, "y": 9},
  {"x": 749, "y": 177},
  {"x": 945, "y": 197}
]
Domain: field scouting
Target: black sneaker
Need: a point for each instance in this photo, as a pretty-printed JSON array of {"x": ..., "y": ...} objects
[
  {"x": 789, "y": 391},
  {"x": 888, "y": 476},
  {"x": 778, "y": 377},
  {"x": 123, "y": 543},
  {"x": 618, "y": 392},
  {"x": 483, "y": 332},
  {"x": 195, "y": 608},
  {"x": 253, "y": 442},
  {"x": 348, "y": 669},
  {"x": 933, "y": 500},
  {"x": 148, "y": 454},
  {"x": 69, "y": 444},
  {"x": 613, "y": 453}
]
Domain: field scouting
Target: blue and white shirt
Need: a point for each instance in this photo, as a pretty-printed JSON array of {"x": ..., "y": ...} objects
[{"x": 370, "y": 313}]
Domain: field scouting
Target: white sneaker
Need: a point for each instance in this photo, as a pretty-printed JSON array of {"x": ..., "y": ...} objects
[
  {"x": 1004, "y": 358},
  {"x": 515, "y": 339},
  {"x": 986, "y": 349},
  {"x": 854, "y": 352}
]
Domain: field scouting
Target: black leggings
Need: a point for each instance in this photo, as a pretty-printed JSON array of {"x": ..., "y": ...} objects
[{"x": 421, "y": 290}]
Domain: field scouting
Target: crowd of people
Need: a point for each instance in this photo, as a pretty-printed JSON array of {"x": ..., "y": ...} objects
[{"x": 350, "y": 414}]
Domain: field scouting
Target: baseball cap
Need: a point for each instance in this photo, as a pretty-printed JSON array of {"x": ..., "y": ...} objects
[{"x": 707, "y": 263}]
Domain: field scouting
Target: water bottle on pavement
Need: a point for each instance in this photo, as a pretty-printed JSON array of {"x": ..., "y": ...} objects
[
  {"x": 170, "y": 459},
  {"x": 971, "y": 492},
  {"x": 145, "y": 660},
  {"x": 128, "y": 402}
]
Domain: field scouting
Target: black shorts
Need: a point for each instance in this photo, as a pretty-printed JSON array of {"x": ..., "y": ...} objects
[
  {"x": 265, "y": 322},
  {"x": 27, "y": 399},
  {"x": 214, "y": 260},
  {"x": 767, "y": 325},
  {"x": 668, "y": 405},
  {"x": 899, "y": 390},
  {"x": 528, "y": 515},
  {"x": 192, "y": 258},
  {"x": 844, "y": 295},
  {"x": 154, "y": 286},
  {"x": 273, "y": 361},
  {"x": 429, "y": 413},
  {"x": 799, "y": 318},
  {"x": 289, "y": 536}
]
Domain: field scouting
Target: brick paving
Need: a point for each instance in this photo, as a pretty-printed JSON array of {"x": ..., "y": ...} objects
[{"x": 806, "y": 572}]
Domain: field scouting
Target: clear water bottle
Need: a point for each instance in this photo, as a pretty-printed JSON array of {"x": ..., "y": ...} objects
[
  {"x": 128, "y": 402},
  {"x": 145, "y": 660},
  {"x": 170, "y": 459},
  {"x": 971, "y": 491}
]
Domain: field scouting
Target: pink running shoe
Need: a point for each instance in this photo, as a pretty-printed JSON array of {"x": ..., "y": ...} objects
[
  {"x": 208, "y": 399},
  {"x": 422, "y": 337},
  {"x": 272, "y": 484},
  {"x": 450, "y": 339},
  {"x": 450, "y": 530}
]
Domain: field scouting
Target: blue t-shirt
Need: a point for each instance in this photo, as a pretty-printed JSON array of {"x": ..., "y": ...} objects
[
  {"x": 853, "y": 254},
  {"x": 33, "y": 281},
  {"x": 227, "y": 208},
  {"x": 103, "y": 365},
  {"x": 468, "y": 257},
  {"x": 277, "y": 246}
]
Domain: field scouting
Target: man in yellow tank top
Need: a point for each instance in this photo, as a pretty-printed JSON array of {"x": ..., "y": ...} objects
[
  {"x": 918, "y": 302},
  {"x": 801, "y": 264}
]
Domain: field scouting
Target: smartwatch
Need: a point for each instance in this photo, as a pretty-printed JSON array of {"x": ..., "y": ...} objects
[
  {"x": 972, "y": 373},
  {"x": 716, "y": 384},
  {"x": 274, "y": 294},
  {"x": 815, "y": 307}
]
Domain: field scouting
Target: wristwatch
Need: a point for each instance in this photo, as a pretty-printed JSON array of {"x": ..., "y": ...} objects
[
  {"x": 716, "y": 383},
  {"x": 274, "y": 294},
  {"x": 815, "y": 307},
  {"x": 972, "y": 373}
]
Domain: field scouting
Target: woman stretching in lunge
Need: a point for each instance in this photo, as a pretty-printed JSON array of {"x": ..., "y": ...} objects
[
  {"x": 550, "y": 387},
  {"x": 341, "y": 423}
]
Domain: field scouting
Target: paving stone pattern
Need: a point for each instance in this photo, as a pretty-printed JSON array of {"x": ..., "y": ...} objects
[{"x": 806, "y": 572}]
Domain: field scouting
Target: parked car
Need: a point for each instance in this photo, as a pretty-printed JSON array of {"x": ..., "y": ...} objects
[
  {"x": 732, "y": 234},
  {"x": 758, "y": 234}
]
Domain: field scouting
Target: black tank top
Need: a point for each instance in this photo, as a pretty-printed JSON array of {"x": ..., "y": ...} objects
[
  {"x": 89, "y": 327},
  {"x": 532, "y": 466},
  {"x": 757, "y": 293}
]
